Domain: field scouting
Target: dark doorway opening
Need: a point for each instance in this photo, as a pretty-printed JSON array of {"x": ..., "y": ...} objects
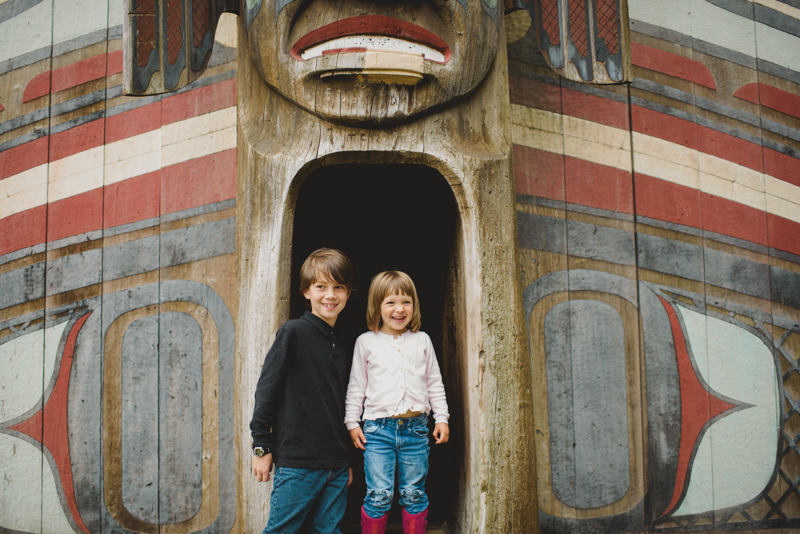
[{"x": 387, "y": 217}]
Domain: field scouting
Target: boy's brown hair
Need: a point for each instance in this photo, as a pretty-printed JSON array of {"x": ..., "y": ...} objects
[
  {"x": 327, "y": 263},
  {"x": 391, "y": 283}
]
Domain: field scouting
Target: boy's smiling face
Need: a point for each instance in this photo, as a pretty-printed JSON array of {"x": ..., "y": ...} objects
[{"x": 327, "y": 299}]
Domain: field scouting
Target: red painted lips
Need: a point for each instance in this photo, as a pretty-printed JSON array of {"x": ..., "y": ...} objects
[{"x": 371, "y": 25}]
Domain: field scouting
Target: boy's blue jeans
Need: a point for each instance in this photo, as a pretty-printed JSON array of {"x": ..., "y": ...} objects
[
  {"x": 296, "y": 491},
  {"x": 401, "y": 444}
]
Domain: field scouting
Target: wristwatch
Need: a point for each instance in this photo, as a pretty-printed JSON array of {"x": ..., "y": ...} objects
[{"x": 261, "y": 451}]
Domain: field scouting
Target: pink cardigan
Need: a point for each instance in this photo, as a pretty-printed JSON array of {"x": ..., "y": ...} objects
[{"x": 391, "y": 376}]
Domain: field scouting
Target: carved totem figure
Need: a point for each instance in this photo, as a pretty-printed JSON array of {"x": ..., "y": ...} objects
[{"x": 423, "y": 82}]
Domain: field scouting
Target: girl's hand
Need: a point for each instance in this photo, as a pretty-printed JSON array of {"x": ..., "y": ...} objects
[
  {"x": 359, "y": 440},
  {"x": 441, "y": 432}
]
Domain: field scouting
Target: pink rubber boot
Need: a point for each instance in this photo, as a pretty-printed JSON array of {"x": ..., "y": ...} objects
[
  {"x": 374, "y": 526},
  {"x": 415, "y": 524}
]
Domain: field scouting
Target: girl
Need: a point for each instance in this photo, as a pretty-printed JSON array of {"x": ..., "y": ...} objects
[{"x": 395, "y": 376}]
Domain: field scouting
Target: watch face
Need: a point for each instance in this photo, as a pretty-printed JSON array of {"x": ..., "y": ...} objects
[{"x": 259, "y": 451}]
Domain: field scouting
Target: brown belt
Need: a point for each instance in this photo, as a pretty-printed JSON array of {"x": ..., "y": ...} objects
[{"x": 407, "y": 415}]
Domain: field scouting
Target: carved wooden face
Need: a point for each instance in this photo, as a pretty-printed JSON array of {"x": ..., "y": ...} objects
[{"x": 378, "y": 61}]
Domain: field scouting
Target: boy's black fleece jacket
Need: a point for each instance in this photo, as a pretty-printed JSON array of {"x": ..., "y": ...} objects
[{"x": 299, "y": 408}]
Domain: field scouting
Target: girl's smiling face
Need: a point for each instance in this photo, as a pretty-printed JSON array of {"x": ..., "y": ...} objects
[{"x": 396, "y": 313}]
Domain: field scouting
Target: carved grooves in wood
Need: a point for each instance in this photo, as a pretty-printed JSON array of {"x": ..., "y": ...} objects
[
  {"x": 199, "y": 20},
  {"x": 550, "y": 21},
  {"x": 577, "y": 25},
  {"x": 174, "y": 37},
  {"x": 607, "y": 24},
  {"x": 145, "y": 30}
]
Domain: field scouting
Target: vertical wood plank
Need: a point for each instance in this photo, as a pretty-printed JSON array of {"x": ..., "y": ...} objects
[{"x": 28, "y": 343}]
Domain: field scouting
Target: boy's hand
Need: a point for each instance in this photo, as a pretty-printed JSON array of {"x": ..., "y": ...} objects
[
  {"x": 441, "y": 432},
  {"x": 349, "y": 477},
  {"x": 359, "y": 440},
  {"x": 262, "y": 466}
]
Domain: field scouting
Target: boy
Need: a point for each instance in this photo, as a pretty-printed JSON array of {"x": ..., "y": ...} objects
[{"x": 299, "y": 410}]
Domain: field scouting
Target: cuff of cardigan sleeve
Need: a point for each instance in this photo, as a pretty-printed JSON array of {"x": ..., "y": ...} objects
[
  {"x": 441, "y": 419},
  {"x": 350, "y": 425}
]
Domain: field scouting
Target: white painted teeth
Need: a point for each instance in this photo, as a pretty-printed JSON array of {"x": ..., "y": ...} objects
[{"x": 374, "y": 42}]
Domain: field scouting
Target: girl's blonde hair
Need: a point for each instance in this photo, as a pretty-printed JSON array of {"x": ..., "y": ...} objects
[{"x": 391, "y": 283}]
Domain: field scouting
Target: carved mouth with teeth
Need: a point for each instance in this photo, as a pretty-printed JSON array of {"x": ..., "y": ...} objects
[{"x": 393, "y": 50}]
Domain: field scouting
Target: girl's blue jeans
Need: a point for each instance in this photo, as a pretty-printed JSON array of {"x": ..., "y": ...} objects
[{"x": 401, "y": 445}]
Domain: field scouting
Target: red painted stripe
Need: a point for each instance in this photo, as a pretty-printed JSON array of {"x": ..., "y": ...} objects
[
  {"x": 23, "y": 157},
  {"x": 38, "y": 86},
  {"x": 133, "y": 122},
  {"x": 534, "y": 94},
  {"x": 199, "y": 181},
  {"x": 598, "y": 186},
  {"x": 672, "y": 65},
  {"x": 49, "y": 425},
  {"x": 698, "y": 407},
  {"x": 666, "y": 201},
  {"x": 371, "y": 25},
  {"x": 198, "y": 102},
  {"x": 75, "y": 215},
  {"x": 664, "y": 126},
  {"x": 748, "y": 92},
  {"x": 538, "y": 173},
  {"x": 783, "y": 234},
  {"x": 114, "y": 63},
  {"x": 77, "y": 139},
  {"x": 127, "y": 124},
  {"x": 2, "y": 107},
  {"x": 730, "y": 148},
  {"x": 24, "y": 229},
  {"x": 74, "y": 74},
  {"x": 78, "y": 73},
  {"x": 700, "y": 138},
  {"x": 595, "y": 109},
  {"x": 727, "y": 217},
  {"x": 771, "y": 97},
  {"x": 132, "y": 200},
  {"x": 781, "y": 166}
]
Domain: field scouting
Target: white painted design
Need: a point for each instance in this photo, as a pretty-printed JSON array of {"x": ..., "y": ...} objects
[
  {"x": 198, "y": 126},
  {"x": 227, "y": 30},
  {"x": 197, "y": 147},
  {"x": 134, "y": 156},
  {"x": 21, "y": 488},
  {"x": 23, "y": 191},
  {"x": 374, "y": 43},
  {"x": 571, "y": 136},
  {"x": 675, "y": 15},
  {"x": 707, "y": 22},
  {"x": 28, "y": 31},
  {"x": 127, "y": 158},
  {"x": 778, "y": 47},
  {"x": 29, "y": 500},
  {"x": 721, "y": 27},
  {"x": 736, "y": 456},
  {"x": 116, "y": 12},
  {"x": 74, "y": 18},
  {"x": 28, "y": 364}
]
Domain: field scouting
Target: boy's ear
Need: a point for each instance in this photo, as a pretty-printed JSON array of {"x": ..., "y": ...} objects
[{"x": 305, "y": 294}]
